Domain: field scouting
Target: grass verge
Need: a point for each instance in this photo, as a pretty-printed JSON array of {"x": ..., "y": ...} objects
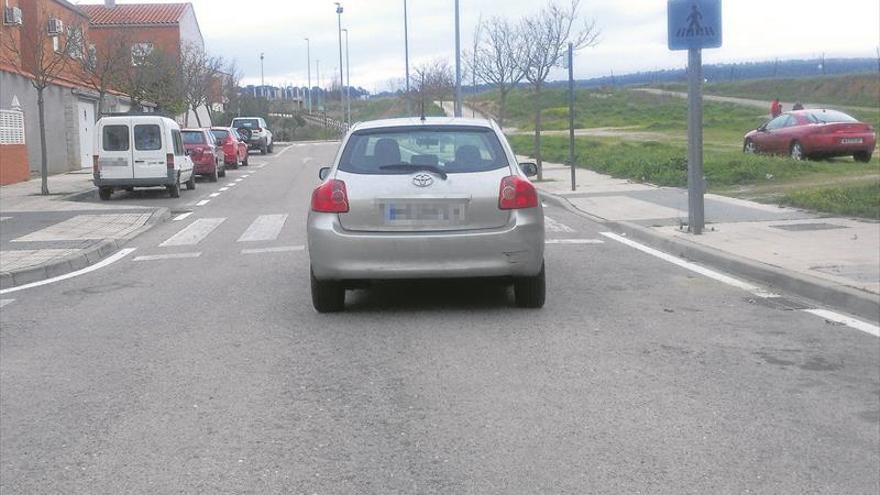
[{"x": 858, "y": 200}]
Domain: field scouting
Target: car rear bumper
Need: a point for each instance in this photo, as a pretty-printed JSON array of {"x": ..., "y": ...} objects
[
  {"x": 830, "y": 144},
  {"x": 516, "y": 249},
  {"x": 136, "y": 182},
  {"x": 207, "y": 167}
]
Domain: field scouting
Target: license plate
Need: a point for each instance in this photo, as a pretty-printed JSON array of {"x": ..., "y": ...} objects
[
  {"x": 424, "y": 213},
  {"x": 851, "y": 141}
]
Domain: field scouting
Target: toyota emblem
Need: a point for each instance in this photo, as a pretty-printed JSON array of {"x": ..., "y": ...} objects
[{"x": 423, "y": 180}]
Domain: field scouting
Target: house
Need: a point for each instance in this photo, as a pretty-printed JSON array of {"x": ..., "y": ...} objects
[
  {"x": 168, "y": 27},
  {"x": 36, "y": 32}
]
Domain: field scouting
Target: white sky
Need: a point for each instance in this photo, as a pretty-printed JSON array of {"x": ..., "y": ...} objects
[{"x": 633, "y": 34}]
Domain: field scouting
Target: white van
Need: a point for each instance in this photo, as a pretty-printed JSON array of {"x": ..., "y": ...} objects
[{"x": 140, "y": 150}]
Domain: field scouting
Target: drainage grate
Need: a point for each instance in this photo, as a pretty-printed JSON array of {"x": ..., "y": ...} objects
[{"x": 809, "y": 226}]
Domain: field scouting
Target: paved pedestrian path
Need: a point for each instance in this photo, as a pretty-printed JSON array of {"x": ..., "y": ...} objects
[{"x": 840, "y": 251}]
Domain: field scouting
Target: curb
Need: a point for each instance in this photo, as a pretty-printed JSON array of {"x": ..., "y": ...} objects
[
  {"x": 851, "y": 300},
  {"x": 88, "y": 256}
]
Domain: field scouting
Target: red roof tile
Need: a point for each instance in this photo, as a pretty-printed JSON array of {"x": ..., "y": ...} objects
[{"x": 138, "y": 13}]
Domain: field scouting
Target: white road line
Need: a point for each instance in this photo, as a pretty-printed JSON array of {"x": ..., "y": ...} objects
[
  {"x": 225, "y": 188},
  {"x": 97, "y": 266},
  {"x": 264, "y": 228},
  {"x": 279, "y": 249},
  {"x": 556, "y": 226},
  {"x": 4, "y": 302},
  {"x": 574, "y": 241},
  {"x": 754, "y": 289},
  {"x": 203, "y": 202},
  {"x": 231, "y": 184},
  {"x": 214, "y": 195},
  {"x": 193, "y": 233},
  {"x": 181, "y": 216},
  {"x": 846, "y": 320},
  {"x": 154, "y": 257},
  {"x": 544, "y": 205},
  {"x": 283, "y": 151},
  {"x": 245, "y": 176},
  {"x": 239, "y": 179},
  {"x": 4, "y": 218}
]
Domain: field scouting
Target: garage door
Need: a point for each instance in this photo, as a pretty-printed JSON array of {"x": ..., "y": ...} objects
[{"x": 86, "y": 112}]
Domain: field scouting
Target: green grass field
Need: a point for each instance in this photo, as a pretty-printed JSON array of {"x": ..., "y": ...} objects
[{"x": 648, "y": 143}]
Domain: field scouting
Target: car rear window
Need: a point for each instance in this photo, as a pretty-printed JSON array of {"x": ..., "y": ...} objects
[
  {"x": 249, "y": 123},
  {"x": 219, "y": 134},
  {"x": 450, "y": 149},
  {"x": 193, "y": 137},
  {"x": 147, "y": 137},
  {"x": 115, "y": 138},
  {"x": 826, "y": 116}
]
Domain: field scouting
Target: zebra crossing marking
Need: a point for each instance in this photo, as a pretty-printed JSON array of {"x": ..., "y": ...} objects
[
  {"x": 264, "y": 228},
  {"x": 556, "y": 226},
  {"x": 193, "y": 233},
  {"x": 277, "y": 249}
]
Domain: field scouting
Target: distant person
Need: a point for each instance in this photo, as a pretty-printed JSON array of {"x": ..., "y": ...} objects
[
  {"x": 798, "y": 106},
  {"x": 775, "y": 108}
]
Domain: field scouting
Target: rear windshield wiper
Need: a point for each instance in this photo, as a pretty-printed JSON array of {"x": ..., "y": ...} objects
[{"x": 411, "y": 166}]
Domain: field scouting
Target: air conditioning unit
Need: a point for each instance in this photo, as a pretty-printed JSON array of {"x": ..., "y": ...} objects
[
  {"x": 56, "y": 27},
  {"x": 12, "y": 16}
]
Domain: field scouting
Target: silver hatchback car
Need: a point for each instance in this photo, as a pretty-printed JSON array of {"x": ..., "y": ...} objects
[{"x": 425, "y": 198}]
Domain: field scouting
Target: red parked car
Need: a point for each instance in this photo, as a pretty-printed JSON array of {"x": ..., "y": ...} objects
[
  {"x": 813, "y": 133},
  {"x": 235, "y": 150},
  {"x": 206, "y": 156}
]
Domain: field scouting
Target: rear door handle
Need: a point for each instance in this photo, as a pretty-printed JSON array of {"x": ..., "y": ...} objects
[{"x": 140, "y": 161}]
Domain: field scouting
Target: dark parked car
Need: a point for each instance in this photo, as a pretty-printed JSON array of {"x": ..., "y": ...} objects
[
  {"x": 813, "y": 133},
  {"x": 206, "y": 155}
]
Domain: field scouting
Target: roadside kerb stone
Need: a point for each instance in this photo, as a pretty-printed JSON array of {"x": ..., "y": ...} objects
[
  {"x": 848, "y": 299},
  {"x": 78, "y": 261}
]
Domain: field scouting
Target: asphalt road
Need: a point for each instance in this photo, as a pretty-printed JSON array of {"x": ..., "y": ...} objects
[{"x": 211, "y": 373}]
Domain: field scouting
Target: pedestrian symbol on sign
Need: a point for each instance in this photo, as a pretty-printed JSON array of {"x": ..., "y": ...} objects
[{"x": 694, "y": 24}]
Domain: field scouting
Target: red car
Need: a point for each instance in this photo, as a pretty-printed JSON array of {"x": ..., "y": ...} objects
[
  {"x": 235, "y": 151},
  {"x": 813, "y": 133},
  {"x": 206, "y": 156}
]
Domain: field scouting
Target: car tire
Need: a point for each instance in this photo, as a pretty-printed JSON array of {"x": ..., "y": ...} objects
[
  {"x": 191, "y": 183},
  {"x": 104, "y": 193},
  {"x": 246, "y": 157},
  {"x": 749, "y": 147},
  {"x": 797, "y": 152},
  {"x": 174, "y": 190},
  {"x": 235, "y": 163},
  {"x": 215, "y": 175},
  {"x": 223, "y": 169},
  {"x": 530, "y": 292},
  {"x": 327, "y": 296},
  {"x": 263, "y": 148},
  {"x": 862, "y": 156},
  {"x": 272, "y": 147}
]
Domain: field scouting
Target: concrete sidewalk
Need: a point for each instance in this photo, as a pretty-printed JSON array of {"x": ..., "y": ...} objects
[
  {"x": 47, "y": 236},
  {"x": 832, "y": 260}
]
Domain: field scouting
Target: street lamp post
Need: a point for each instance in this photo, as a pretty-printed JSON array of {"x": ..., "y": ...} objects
[
  {"x": 347, "y": 77},
  {"x": 309, "y": 69},
  {"x": 320, "y": 89},
  {"x": 262, "y": 76},
  {"x": 406, "y": 56},
  {"x": 457, "y": 64},
  {"x": 341, "y": 75}
]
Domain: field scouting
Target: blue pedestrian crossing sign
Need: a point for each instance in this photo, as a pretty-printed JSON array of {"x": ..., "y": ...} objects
[{"x": 694, "y": 24}]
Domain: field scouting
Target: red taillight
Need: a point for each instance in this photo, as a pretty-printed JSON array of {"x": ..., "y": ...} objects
[
  {"x": 517, "y": 193},
  {"x": 169, "y": 160},
  {"x": 96, "y": 168},
  {"x": 330, "y": 197}
]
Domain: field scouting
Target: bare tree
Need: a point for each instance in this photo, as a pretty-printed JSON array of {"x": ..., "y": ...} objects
[
  {"x": 544, "y": 40},
  {"x": 45, "y": 57},
  {"x": 496, "y": 59},
  {"x": 434, "y": 80},
  {"x": 154, "y": 77},
  {"x": 199, "y": 72},
  {"x": 106, "y": 64}
]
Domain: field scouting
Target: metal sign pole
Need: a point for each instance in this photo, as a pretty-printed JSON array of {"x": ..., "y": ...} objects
[
  {"x": 696, "y": 213},
  {"x": 571, "y": 114}
]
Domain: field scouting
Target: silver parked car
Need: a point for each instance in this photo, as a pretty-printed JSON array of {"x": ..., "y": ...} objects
[{"x": 425, "y": 198}]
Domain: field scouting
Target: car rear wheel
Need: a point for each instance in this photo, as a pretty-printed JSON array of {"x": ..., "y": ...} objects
[
  {"x": 263, "y": 148},
  {"x": 174, "y": 190},
  {"x": 327, "y": 296},
  {"x": 272, "y": 148},
  {"x": 862, "y": 156},
  {"x": 530, "y": 292},
  {"x": 222, "y": 166},
  {"x": 246, "y": 156},
  {"x": 191, "y": 183},
  {"x": 797, "y": 151},
  {"x": 105, "y": 192},
  {"x": 749, "y": 147}
]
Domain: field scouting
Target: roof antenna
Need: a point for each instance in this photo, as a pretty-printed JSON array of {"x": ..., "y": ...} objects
[{"x": 422, "y": 99}]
